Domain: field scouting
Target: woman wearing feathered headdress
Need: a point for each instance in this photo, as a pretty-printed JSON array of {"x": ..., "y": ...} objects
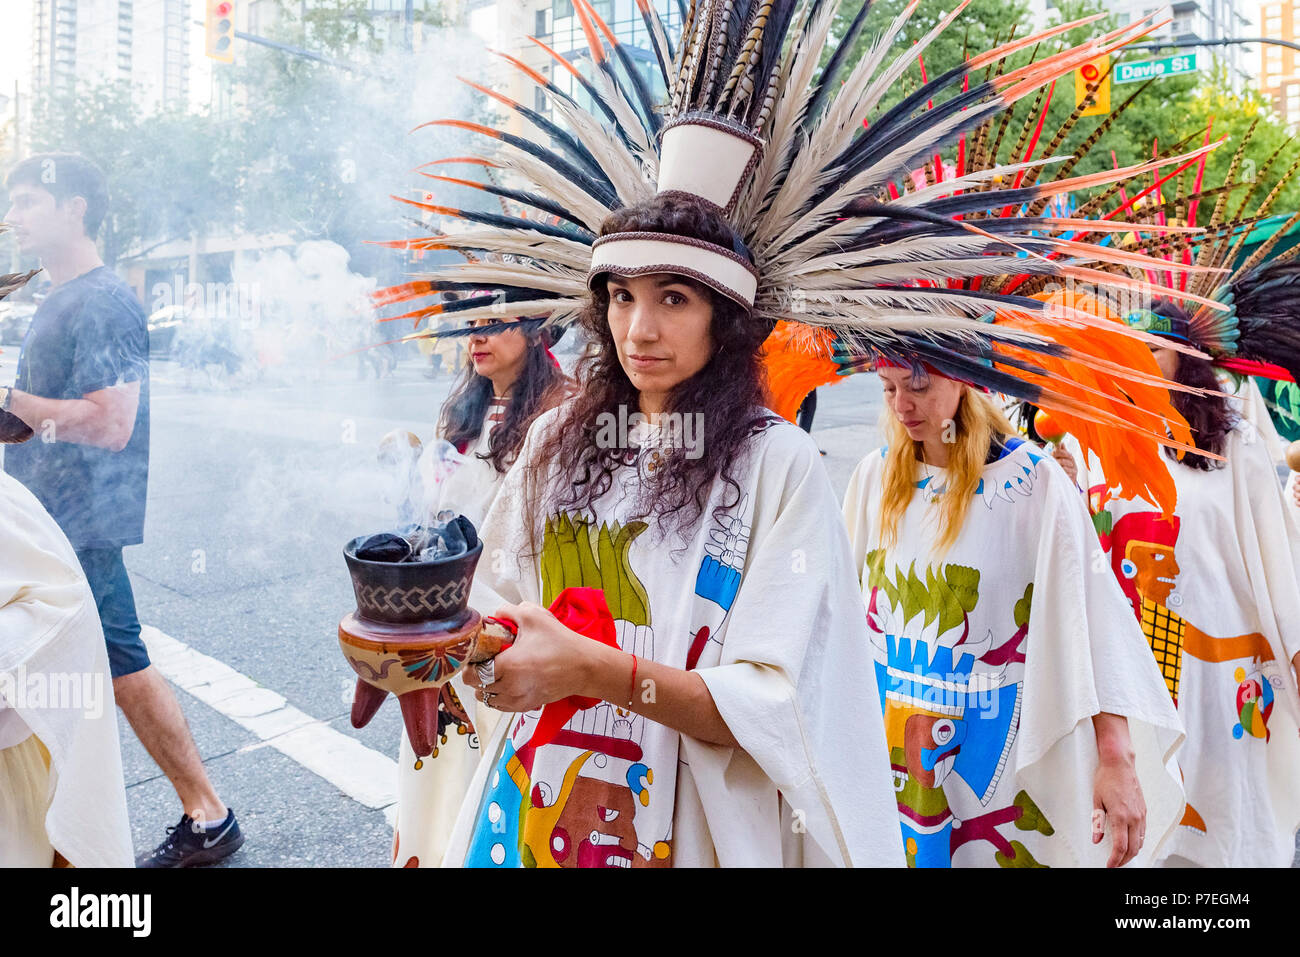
[
  {"x": 728, "y": 713},
  {"x": 665, "y": 484}
]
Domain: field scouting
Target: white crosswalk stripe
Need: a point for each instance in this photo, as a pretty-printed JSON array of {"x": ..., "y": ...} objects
[{"x": 362, "y": 773}]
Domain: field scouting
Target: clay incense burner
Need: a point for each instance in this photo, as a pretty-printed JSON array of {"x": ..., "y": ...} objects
[{"x": 411, "y": 632}]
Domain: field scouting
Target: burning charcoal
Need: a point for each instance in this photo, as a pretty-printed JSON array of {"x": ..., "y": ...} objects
[
  {"x": 452, "y": 536},
  {"x": 446, "y": 540},
  {"x": 384, "y": 547},
  {"x": 435, "y": 552},
  {"x": 417, "y": 536}
]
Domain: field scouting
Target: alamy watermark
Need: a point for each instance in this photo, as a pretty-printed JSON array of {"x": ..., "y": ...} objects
[
  {"x": 58, "y": 690},
  {"x": 225, "y": 300},
  {"x": 669, "y": 430}
]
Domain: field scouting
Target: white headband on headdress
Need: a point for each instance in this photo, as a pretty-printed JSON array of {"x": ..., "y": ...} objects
[
  {"x": 708, "y": 159},
  {"x": 641, "y": 254}
]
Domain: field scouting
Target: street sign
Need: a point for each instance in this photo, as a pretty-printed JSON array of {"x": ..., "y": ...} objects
[
  {"x": 1149, "y": 69},
  {"x": 1093, "y": 71}
]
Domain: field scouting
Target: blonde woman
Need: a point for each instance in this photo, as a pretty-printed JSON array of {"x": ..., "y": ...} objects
[{"x": 1024, "y": 721}]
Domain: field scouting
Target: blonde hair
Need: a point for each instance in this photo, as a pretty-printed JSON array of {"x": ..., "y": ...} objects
[{"x": 977, "y": 422}]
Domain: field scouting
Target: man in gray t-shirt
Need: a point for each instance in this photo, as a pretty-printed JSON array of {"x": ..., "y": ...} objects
[{"x": 83, "y": 387}]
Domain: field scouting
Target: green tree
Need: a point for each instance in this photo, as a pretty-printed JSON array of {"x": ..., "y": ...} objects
[
  {"x": 161, "y": 167},
  {"x": 983, "y": 24},
  {"x": 1159, "y": 114},
  {"x": 326, "y": 143}
]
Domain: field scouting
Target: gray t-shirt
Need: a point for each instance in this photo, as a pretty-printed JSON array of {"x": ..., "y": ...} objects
[{"x": 89, "y": 334}]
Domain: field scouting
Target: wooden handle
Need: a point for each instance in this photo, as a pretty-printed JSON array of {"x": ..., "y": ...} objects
[{"x": 494, "y": 637}]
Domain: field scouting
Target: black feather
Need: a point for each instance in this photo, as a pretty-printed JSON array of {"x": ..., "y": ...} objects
[{"x": 1268, "y": 314}]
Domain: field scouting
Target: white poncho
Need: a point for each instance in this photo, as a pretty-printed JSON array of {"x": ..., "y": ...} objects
[
  {"x": 761, "y": 602},
  {"x": 55, "y": 683},
  {"x": 430, "y": 789},
  {"x": 1217, "y": 593},
  {"x": 992, "y": 662}
]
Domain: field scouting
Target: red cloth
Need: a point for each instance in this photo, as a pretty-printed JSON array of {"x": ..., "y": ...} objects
[
  {"x": 1267, "y": 370},
  {"x": 585, "y": 611}
]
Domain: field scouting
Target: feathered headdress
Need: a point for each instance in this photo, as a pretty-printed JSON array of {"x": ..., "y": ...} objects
[
  {"x": 764, "y": 122},
  {"x": 1256, "y": 329}
]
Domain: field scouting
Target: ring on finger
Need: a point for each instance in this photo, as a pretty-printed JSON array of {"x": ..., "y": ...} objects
[{"x": 486, "y": 672}]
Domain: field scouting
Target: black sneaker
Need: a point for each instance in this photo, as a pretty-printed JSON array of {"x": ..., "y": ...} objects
[{"x": 188, "y": 845}]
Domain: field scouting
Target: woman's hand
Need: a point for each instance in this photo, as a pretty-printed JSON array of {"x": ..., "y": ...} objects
[
  {"x": 1066, "y": 461},
  {"x": 1116, "y": 792},
  {"x": 546, "y": 663}
]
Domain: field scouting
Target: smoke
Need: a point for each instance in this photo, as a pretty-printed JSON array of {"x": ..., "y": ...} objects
[
  {"x": 310, "y": 308},
  {"x": 316, "y": 392}
]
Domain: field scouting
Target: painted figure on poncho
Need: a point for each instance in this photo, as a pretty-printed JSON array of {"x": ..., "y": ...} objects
[
  {"x": 585, "y": 814},
  {"x": 951, "y": 703},
  {"x": 1142, "y": 547}
]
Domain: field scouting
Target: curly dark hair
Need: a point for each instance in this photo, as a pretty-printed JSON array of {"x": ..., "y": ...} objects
[
  {"x": 728, "y": 393},
  {"x": 540, "y": 386},
  {"x": 1210, "y": 416}
]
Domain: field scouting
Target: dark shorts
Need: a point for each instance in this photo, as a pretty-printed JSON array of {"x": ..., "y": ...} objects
[{"x": 116, "y": 603}]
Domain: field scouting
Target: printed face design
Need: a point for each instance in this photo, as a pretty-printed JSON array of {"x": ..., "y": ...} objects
[
  {"x": 595, "y": 828},
  {"x": 660, "y": 324},
  {"x": 926, "y": 406},
  {"x": 1153, "y": 569},
  {"x": 929, "y": 743}
]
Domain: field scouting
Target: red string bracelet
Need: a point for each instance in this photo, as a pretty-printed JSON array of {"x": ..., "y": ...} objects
[{"x": 631, "y": 689}]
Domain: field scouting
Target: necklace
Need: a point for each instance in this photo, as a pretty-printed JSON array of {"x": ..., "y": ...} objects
[{"x": 931, "y": 493}]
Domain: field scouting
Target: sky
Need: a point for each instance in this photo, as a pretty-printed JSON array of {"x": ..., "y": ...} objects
[{"x": 15, "y": 44}]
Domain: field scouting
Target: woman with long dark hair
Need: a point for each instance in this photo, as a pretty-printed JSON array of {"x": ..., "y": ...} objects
[
  {"x": 510, "y": 380},
  {"x": 667, "y": 484},
  {"x": 1214, "y": 586}
]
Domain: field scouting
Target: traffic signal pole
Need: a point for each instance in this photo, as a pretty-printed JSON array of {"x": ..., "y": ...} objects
[
  {"x": 1165, "y": 44},
  {"x": 300, "y": 52}
]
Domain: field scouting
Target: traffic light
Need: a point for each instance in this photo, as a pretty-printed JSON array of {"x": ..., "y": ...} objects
[
  {"x": 219, "y": 32},
  {"x": 1094, "y": 71}
]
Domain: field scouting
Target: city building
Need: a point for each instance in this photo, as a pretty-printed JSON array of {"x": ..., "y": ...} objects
[
  {"x": 508, "y": 24},
  {"x": 143, "y": 42},
  {"x": 1279, "y": 67},
  {"x": 1193, "y": 20}
]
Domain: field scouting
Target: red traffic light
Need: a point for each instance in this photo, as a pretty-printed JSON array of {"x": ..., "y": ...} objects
[{"x": 222, "y": 9}]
